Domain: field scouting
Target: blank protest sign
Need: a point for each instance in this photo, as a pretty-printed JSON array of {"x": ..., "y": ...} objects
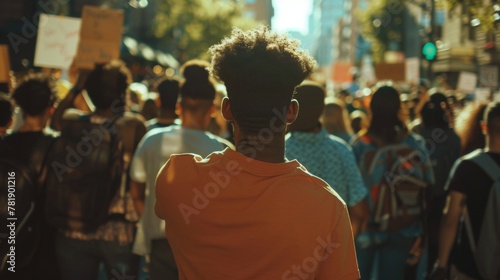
[
  {"x": 57, "y": 41},
  {"x": 467, "y": 82},
  {"x": 100, "y": 36},
  {"x": 4, "y": 64}
]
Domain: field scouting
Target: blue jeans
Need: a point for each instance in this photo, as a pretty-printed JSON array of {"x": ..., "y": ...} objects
[
  {"x": 80, "y": 259},
  {"x": 383, "y": 255}
]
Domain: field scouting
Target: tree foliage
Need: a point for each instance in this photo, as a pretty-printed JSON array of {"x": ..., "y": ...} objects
[
  {"x": 190, "y": 27},
  {"x": 477, "y": 9},
  {"x": 382, "y": 23}
]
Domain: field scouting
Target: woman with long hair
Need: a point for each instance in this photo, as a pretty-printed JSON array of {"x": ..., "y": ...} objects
[
  {"x": 384, "y": 244},
  {"x": 468, "y": 127}
]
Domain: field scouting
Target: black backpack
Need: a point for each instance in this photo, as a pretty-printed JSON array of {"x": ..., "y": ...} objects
[
  {"x": 21, "y": 195},
  {"x": 85, "y": 175},
  {"x": 486, "y": 251}
]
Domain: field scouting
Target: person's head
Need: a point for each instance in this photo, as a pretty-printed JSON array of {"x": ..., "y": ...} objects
[
  {"x": 335, "y": 118},
  {"x": 385, "y": 107},
  {"x": 436, "y": 113},
  {"x": 168, "y": 90},
  {"x": 359, "y": 121},
  {"x": 107, "y": 84},
  {"x": 149, "y": 109},
  {"x": 468, "y": 127},
  {"x": 260, "y": 69},
  {"x": 491, "y": 121},
  {"x": 35, "y": 96},
  {"x": 197, "y": 94},
  {"x": 311, "y": 98},
  {"x": 6, "y": 111}
]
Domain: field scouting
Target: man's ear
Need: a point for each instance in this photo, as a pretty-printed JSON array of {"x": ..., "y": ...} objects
[
  {"x": 293, "y": 111},
  {"x": 484, "y": 127},
  {"x": 226, "y": 110}
]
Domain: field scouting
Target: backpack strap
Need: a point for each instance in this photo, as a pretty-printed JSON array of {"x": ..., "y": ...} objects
[{"x": 486, "y": 163}]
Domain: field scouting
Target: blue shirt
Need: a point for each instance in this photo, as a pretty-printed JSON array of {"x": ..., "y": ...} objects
[{"x": 331, "y": 159}]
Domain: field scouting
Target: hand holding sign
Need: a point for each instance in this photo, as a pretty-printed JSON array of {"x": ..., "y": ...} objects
[{"x": 100, "y": 36}]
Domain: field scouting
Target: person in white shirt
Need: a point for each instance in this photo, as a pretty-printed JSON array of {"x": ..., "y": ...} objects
[{"x": 194, "y": 109}]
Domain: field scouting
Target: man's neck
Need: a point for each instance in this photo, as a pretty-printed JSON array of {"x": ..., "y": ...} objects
[
  {"x": 267, "y": 148},
  {"x": 493, "y": 144},
  {"x": 33, "y": 123},
  {"x": 165, "y": 117}
]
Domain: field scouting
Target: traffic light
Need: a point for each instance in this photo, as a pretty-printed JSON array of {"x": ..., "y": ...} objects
[{"x": 429, "y": 51}]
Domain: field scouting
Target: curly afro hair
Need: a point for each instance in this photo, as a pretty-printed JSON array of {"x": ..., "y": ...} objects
[
  {"x": 108, "y": 83},
  {"x": 35, "y": 94},
  {"x": 260, "y": 69}
]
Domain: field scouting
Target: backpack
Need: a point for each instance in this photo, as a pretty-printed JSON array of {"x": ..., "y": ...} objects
[
  {"x": 487, "y": 250},
  {"x": 20, "y": 194},
  {"x": 398, "y": 195},
  {"x": 86, "y": 173}
]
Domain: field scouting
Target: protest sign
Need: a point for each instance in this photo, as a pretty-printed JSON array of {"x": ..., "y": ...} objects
[
  {"x": 4, "y": 64},
  {"x": 100, "y": 36},
  {"x": 412, "y": 70},
  {"x": 467, "y": 82},
  {"x": 57, "y": 41},
  {"x": 390, "y": 71},
  {"x": 342, "y": 72}
]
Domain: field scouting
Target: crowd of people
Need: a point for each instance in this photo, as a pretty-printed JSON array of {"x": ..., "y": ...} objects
[{"x": 243, "y": 168}]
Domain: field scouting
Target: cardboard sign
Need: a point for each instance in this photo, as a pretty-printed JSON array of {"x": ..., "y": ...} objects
[
  {"x": 100, "y": 36},
  {"x": 57, "y": 41},
  {"x": 467, "y": 82},
  {"x": 342, "y": 72},
  {"x": 488, "y": 76},
  {"x": 412, "y": 70},
  {"x": 390, "y": 71},
  {"x": 4, "y": 64}
]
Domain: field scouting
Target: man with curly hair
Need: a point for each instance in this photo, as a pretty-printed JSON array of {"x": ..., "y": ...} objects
[{"x": 251, "y": 213}]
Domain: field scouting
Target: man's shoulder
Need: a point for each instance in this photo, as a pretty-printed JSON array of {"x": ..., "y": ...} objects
[
  {"x": 219, "y": 140},
  {"x": 310, "y": 186},
  {"x": 338, "y": 143},
  {"x": 129, "y": 118}
]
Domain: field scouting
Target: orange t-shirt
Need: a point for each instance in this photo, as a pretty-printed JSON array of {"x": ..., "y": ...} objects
[{"x": 232, "y": 217}]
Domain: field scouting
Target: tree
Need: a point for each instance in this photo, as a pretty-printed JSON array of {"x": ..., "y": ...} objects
[
  {"x": 382, "y": 24},
  {"x": 190, "y": 27},
  {"x": 477, "y": 9}
]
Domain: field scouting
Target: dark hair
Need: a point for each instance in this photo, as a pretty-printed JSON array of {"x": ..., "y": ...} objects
[
  {"x": 168, "y": 90},
  {"x": 468, "y": 127},
  {"x": 492, "y": 117},
  {"x": 311, "y": 98},
  {"x": 6, "y": 110},
  {"x": 385, "y": 115},
  {"x": 197, "y": 83},
  {"x": 260, "y": 69},
  {"x": 108, "y": 83},
  {"x": 35, "y": 94},
  {"x": 197, "y": 89},
  {"x": 434, "y": 112}
]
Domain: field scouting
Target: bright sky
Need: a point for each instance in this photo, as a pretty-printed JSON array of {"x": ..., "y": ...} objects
[{"x": 291, "y": 15}]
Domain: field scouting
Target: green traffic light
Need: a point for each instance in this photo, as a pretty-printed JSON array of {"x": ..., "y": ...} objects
[{"x": 429, "y": 50}]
